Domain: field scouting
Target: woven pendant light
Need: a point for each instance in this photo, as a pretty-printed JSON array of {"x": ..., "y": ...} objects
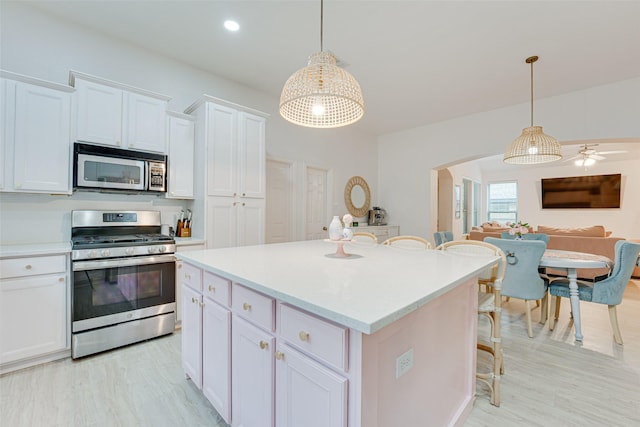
[
  {"x": 533, "y": 145},
  {"x": 322, "y": 95}
]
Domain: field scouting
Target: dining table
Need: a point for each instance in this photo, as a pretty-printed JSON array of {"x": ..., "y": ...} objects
[{"x": 571, "y": 261}]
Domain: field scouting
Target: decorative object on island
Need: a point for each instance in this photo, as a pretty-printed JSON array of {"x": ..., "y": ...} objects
[
  {"x": 335, "y": 229},
  {"x": 518, "y": 229},
  {"x": 347, "y": 233},
  {"x": 532, "y": 146},
  {"x": 322, "y": 95},
  {"x": 357, "y": 196}
]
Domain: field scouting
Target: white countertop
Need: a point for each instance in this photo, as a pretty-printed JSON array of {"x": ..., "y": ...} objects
[
  {"x": 34, "y": 249},
  {"x": 367, "y": 291}
]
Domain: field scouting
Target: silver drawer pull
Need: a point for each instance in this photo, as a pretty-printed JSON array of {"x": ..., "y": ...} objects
[
  {"x": 304, "y": 336},
  {"x": 212, "y": 288},
  {"x": 246, "y": 306},
  {"x": 279, "y": 355},
  {"x": 28, "y": 267}
]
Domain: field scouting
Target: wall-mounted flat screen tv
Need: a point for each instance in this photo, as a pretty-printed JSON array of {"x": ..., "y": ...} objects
[{"x": 595, "y": 191}]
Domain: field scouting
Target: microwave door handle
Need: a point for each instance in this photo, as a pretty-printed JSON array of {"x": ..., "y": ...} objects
[{"x": 122, "y": 262}]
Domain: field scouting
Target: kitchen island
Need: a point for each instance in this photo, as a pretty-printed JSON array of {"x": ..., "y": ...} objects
[{"x": 288, "y": 334}]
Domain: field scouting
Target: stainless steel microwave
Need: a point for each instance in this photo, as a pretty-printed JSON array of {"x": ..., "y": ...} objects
[{"x": 112, "y": 169}]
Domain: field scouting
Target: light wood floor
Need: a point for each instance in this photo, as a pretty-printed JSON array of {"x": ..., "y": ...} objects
[{"x": 550, "y": 380}]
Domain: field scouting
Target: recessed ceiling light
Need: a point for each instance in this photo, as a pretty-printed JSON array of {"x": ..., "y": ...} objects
[{"x": 231, "y": 25}]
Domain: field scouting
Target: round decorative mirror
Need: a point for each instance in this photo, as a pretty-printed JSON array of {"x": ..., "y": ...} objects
[{"x": 357, "y": 196}]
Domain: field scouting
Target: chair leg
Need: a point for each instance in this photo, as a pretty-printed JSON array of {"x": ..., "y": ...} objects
[
  {"x": 613, "y": 317},
  {"x": 553, "y": 309},
  {"x": 544, "y": 312},
  {"x": 528, "y": 308}
]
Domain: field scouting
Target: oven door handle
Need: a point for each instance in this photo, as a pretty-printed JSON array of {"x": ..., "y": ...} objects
[{"x": 122, "y": 262}]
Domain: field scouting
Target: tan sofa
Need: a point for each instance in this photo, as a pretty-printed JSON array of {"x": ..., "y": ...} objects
[{"x": 593, "y": 240}]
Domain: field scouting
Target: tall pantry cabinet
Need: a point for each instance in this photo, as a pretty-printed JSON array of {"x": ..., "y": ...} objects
[{"x": 230, "y": 155}]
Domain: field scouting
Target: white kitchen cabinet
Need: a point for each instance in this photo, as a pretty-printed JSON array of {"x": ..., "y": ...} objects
[
  {"x": 308, "y": 393},
  {"x": 192, "y": 334},
  {"x": 180, "y": 129},
  {"x": 230, "y": 153},
  {"x": 34, "y": 302},
  {"x": 110, "y": 113},
  {"x": 382, "y": 232},
  {"x": 252, "y": 375},
  {"x": 36, "y": 136}
]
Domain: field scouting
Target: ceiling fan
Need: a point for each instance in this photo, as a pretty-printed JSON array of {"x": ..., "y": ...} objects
[{"x": 587, "y": 155}]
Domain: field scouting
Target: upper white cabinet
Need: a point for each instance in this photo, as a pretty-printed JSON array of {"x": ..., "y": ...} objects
[
  {"x": 117, "y": 115},
  {"x": 230, "y": 153},
  {"x": 35, "y": 134},
  {"x": 180, "y": 129}
]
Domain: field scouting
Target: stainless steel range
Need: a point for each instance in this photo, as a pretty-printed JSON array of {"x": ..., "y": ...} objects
[{"x": 123, "y": 279}]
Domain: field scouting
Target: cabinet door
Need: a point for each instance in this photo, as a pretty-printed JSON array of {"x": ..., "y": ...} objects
[
  {"x": 192, "y": 335},
  {"x": 307, "y": 393},
  {"x": 5, "y": 119},
  {"x": 252, "y": 375},
  {"x": 222, "y": 162},
  {"x": 33, "y": 316},
  {"x": 251, "y": 218},
  {"x": 251, "y": 155},
  {"x": 42, "y": 139},
  {"x": 222, "y": 222},
  {"x": 216, "y": 357},
  {"x": 181, "y": 146},
  {"x": 99, "y": 113},
  {"x": 146, "y": 127}
]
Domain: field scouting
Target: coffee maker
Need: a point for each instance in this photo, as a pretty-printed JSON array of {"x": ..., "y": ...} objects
[{"x": 377, "y": 216}]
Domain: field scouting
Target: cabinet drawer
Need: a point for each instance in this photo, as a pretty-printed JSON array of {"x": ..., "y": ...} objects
[
  {"x": 32, "y": 266},
  {"x": 253, "y": 306},
  {"x": 191, "y": 276},
  {"x": 217, "y": 288},
  {"x": 318, "y": 337}
]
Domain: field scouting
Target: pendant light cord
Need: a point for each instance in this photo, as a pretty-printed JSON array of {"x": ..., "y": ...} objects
[
  {"x": 532, "y": 92},
  {"x": 321, "y": 22}
]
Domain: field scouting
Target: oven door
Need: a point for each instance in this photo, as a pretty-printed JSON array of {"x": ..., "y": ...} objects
[{"x": 107, "y": 292}]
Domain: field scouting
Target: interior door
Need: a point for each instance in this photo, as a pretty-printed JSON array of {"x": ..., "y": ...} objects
[
  {"x": 317, "y": 216},
  {"x": 280, "y": 196}
]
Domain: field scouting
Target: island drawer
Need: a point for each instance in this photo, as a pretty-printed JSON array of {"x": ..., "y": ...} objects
[
  {"x": 253, "y": 306},
  {"x": 217, "y": 288},
  {"x": 32, "y": 266},
  {"x": 191, "y": 276},
  {"x": 320, "y": 338}
]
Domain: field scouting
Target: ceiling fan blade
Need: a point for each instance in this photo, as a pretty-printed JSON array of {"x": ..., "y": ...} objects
[
  {"x": 612, "y": 152},
  {"x": 597, "y": 157},
  {"x": 572, "y": 158}
]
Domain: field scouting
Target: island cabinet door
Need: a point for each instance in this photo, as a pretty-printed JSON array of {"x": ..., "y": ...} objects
[
  {"x": 307, "y": 393},
  {"x": 216, "y": 361},
  {"x": 252, "y": 375},
  {"x": 192, "y": 335}
]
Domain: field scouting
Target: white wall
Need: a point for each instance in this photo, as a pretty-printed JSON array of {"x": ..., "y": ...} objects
[
  {"x": 610, "y": 111},
  {"x": 34, "y": 44},
  {"x": 623, "y": 222}
]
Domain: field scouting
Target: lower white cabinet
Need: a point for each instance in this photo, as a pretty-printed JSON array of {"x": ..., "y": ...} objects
[
  {"x": 308, "y": 393},
  {"x": 34, "y": 315},
  {"x": 382, "y": 232},
  {"x": 234, "y": 332},
  {"x": 252, "y": 375}
]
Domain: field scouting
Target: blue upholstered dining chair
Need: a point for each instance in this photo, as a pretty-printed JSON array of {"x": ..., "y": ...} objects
[
  {"x": 608, "y": 291},
  {"x": 528, "y": 236},
  {"x": 440, "y": 237},
  {"x": 521, "y": 278}
]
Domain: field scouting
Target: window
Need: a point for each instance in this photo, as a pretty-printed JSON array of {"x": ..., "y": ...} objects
[{"x": 502, "y": 205}]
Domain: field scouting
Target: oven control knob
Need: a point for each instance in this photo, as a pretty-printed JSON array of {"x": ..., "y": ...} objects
[
  {"x": 152, "y": 250},
  {"x": 129, "y": 251},
  {"x": 92, "y": 254},
  {"x": 162, "y": 249},
  {"x": 105, "y": 252}
]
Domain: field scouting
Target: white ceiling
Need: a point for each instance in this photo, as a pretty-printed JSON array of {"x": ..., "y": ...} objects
[{"x": 418, "y": 62}]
